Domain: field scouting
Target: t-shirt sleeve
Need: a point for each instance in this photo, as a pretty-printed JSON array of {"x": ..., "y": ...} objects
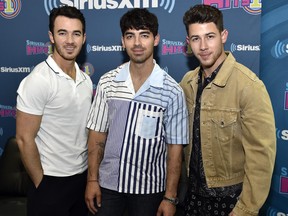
[{"x": 33, "y": 94}]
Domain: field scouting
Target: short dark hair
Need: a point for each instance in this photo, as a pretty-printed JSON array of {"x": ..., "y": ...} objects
[
  {"x": 139, "y": 18},
  {"x": 67, "y": 11},
  {"x": 203, "y": 14}
]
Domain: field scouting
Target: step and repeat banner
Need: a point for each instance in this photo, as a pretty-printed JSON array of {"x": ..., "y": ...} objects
[
  {"x": 274, "y": 73},
  {"x": 24, "y": 40},
  {"x": 24, "y": 43}
]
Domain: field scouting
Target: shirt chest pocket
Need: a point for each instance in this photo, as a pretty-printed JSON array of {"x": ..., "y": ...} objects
[{"x": 149, "y": 124}]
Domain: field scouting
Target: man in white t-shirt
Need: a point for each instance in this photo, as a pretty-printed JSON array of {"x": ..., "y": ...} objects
[{"x": 52, "y": 107}]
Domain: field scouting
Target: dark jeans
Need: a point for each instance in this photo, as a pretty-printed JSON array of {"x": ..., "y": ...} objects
[
  {"x": 118, "y": 204},
  {"x": 58, "y": 196}
]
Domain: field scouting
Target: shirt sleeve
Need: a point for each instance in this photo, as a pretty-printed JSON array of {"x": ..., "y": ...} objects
[
  {"x": 98, "y": 114},
  {"x": 33, "y": 93},
  {"x": 177, "y": 131}
]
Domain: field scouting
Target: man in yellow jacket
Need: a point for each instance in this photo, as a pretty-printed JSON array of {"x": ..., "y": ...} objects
[{"x": 231, "y": 154}]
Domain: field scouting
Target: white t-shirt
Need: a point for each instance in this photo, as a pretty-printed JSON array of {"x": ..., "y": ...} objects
[{"x": 64, "y": 105}]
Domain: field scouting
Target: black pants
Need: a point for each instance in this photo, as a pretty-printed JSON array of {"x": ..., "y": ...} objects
[
  {"x": 197, "y": 205},
  {"x": 118, "y": 204},
  {"x": 58, "y": 196}
]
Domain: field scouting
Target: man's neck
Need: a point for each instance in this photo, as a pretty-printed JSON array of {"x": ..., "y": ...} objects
[
  {"x": 67, "y": 67},
  {"x": 139, "y": 74}
]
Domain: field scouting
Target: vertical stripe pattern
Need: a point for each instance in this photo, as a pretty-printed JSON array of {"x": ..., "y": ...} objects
[{"x": 139, "y": 128}]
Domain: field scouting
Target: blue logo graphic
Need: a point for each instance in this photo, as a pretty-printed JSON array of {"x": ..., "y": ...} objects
[
  {"x": 169, "y": 5},
  {"x": 233, "y": 47},
  {"x": 49, "y": 5},
  {"x": 88, "y": 48},
  {"x": 1, "y": 131},
  {"x": 274, "y": 212},
  {"x": 280, "y": 49}
]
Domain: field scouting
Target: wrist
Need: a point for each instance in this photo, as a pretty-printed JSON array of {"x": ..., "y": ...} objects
[
  {"x": 172, "y": 200},
  {"x": 92, "y": 180}
]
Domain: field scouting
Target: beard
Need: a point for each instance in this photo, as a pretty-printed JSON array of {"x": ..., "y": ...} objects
[{"x": 68, "y": 52}]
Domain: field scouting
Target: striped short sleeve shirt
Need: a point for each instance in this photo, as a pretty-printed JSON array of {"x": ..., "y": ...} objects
[{"x": 139, "y": 127}]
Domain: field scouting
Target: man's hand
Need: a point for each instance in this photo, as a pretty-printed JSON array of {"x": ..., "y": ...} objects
[
  {"x": 93, "y": 196},
  {"x": 166, "y": 209}
]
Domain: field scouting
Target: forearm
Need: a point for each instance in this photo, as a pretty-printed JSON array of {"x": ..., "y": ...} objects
[
  {"x": 96, "y": 146},
  {"x": 31, "y": 159},
  {"x": 174, "y": 161},
  {"x": 27, "y": 126}
]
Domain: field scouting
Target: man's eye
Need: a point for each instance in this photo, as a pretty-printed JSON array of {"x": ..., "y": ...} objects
[{"x": 210, "y": 36}]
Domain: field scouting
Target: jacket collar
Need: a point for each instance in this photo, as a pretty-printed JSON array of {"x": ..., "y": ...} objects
[
  {"x": 225, "y": 71},
  {"x": 222, "y": 75}
]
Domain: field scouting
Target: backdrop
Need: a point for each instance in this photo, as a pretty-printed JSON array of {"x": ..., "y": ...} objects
[
  {"x": 274, "y": 65},
  {"x": 24, "y": 43}
]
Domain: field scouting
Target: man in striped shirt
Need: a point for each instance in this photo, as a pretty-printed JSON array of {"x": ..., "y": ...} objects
[{"x": 138, "y": 126}]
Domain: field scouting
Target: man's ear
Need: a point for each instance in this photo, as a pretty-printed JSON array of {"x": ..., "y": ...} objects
[
  {"x": 187, "y": 39},
  {"x": 157, "y": 40},
  {"x": 224, "y": 35},
  {"x": 123, "y": 44},
  {"x": 51, "y": 37},
  {"x": 84, "y": 38}
]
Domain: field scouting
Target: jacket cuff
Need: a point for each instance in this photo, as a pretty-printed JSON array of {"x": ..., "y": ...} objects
[{"x": 241, "y": 210}]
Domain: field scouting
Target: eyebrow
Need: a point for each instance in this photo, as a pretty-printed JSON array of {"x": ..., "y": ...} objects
[
  {"x": 142, "y": 32},
  {"x": 75, "y": 31},
  {"x": 209, "y": 33}
]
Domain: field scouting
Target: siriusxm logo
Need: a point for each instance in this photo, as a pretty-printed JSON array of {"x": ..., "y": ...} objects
[
  {"x": 101, "y": 48},
  {"x": 280, "y": 49},
  {"x": 242, "y": 47},
  {"x": 16, "y": 69},
  {"x": 274, "y": 212},
  {"x": 168, "y": 5},
  {"x": 282, "y": 134}
]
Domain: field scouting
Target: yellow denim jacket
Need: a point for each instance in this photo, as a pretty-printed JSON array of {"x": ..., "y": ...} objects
[{"x": 237, "y": 127}]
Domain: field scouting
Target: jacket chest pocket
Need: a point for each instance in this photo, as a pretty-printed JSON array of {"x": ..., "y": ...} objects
[{"x": 224, "y": 125}]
